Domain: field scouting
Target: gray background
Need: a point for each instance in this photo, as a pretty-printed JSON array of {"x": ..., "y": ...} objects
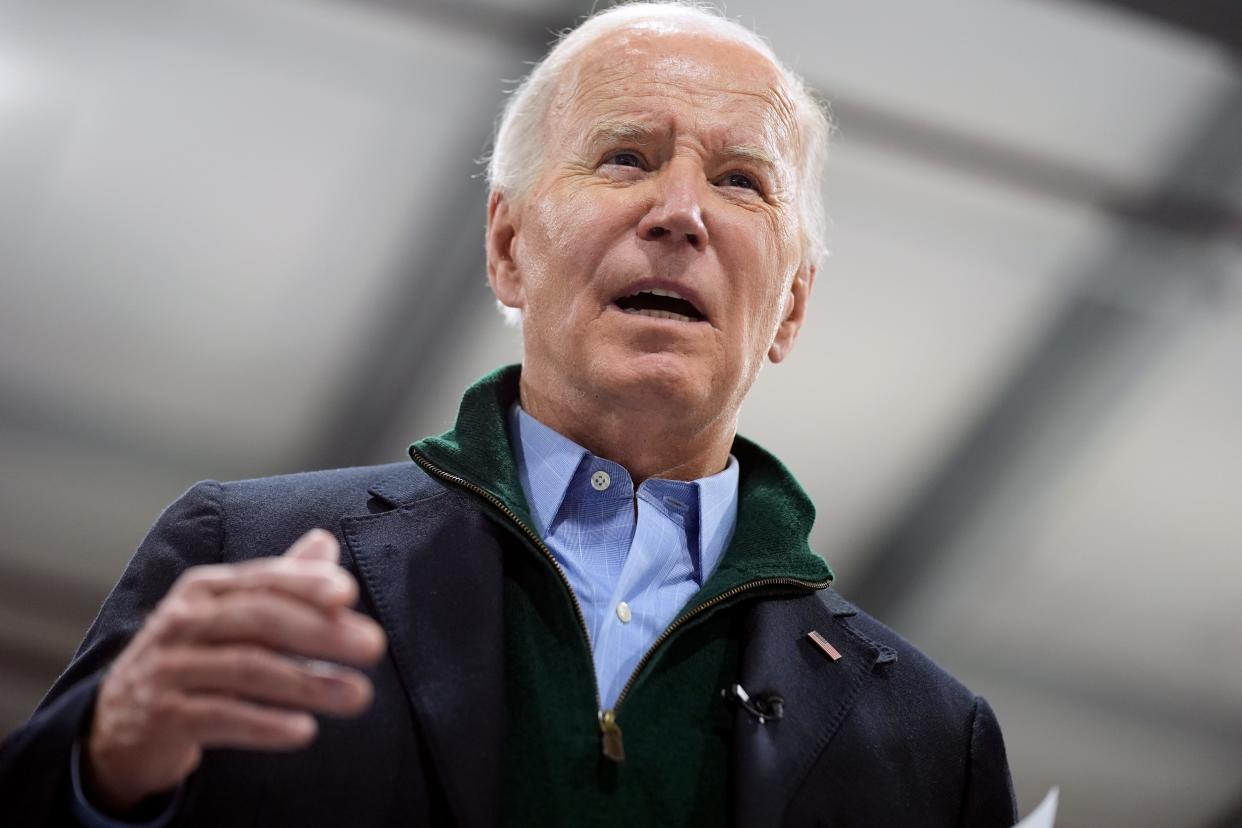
[{"x": 243, "y": 238}]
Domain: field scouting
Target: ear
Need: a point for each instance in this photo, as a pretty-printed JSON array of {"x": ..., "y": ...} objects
[
  {"x": 502, "y": 271},
  {"x": 794, "y": 312}
]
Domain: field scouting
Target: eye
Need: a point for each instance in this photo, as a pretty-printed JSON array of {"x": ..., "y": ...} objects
[
  {"x": 737, "y": 179},
  {"x": 624, "y": 159}
]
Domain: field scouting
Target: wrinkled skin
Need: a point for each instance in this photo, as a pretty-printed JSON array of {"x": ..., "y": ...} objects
[{"x": 670, "y": 162}]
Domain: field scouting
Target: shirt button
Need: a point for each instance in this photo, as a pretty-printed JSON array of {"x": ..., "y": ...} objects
[
  {"x": 600, "y": 480},
  {"x": 623, "y": 612}
]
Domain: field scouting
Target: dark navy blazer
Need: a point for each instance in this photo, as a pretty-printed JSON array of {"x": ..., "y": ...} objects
[{"x": 881, "y": 737}]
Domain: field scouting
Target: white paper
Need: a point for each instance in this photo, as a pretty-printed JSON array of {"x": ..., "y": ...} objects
[{"x": 1044, "y": 814}]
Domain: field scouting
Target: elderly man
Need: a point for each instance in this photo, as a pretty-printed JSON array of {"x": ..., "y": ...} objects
[{"x": 588, "y": 603}]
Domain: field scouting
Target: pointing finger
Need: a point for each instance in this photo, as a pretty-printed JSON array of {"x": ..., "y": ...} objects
[
  {"x": 275, "y": 622},
  {"x": 257, "y": 674},
  {"x": 217, "y": 721}
]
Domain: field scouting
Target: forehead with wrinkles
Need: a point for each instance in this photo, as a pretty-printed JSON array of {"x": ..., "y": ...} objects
[{"x": 719, "y": 86}]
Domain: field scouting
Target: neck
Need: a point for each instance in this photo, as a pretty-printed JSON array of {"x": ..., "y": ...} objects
[{"x": 638, "y": 436}]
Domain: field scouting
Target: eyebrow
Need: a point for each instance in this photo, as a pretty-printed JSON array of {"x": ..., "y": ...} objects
[
  {"x": 756, "y": 155},
  {"x": 620, "y": 131}
]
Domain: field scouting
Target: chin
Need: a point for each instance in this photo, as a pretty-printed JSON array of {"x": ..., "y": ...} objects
[{"x": 655, "y": 381}]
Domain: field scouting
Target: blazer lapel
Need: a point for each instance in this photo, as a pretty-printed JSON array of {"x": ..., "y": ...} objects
[
  {"x": 433, "y": 573},
  {"x": 771, "y": 760}
]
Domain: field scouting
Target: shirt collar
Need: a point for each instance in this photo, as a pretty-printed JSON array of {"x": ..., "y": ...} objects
[{"x": 548, "y": 462}]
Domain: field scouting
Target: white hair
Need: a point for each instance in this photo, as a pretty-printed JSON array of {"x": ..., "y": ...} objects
[{"x": 515, "y": 161}]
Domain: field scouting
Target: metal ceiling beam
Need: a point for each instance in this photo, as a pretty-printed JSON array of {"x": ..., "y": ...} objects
[
  {"x": 1055, "y": 401},
  {"x": 1231, "y": 817},
  {"x": 1194, "y": 215},
  {"x": 1214, "y": 20}
]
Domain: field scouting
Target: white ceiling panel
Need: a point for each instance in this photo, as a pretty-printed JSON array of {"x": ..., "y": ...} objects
[{"x": 231, "y": 182}]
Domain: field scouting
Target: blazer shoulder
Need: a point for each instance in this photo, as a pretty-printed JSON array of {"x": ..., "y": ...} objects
[
  {"x": 913, "y": 669},
  {"x": 263, "y": 516}
]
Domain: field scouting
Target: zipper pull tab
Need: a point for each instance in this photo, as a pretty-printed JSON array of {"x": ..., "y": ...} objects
[{"x": 614, "y": 747}]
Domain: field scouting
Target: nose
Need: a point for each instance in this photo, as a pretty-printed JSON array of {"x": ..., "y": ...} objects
[{"x": 676, "y": 215}]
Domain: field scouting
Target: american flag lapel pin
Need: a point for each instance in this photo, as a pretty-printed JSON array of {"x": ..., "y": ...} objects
[{"x": 821, "y": 642}]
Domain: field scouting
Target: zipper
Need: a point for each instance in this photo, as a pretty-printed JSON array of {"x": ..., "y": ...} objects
[{"x": 613, "y": 745}]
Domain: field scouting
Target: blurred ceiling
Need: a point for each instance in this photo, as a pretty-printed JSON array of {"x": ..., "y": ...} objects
[{"x": 241, "y": 239}]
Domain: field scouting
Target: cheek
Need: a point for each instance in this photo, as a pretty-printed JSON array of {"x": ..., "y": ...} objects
[
  {"x": 759, "y": 256},
  {"x": 764, "y": 257},
  {"x": 543, "y": 245},
  {"x": 552, "y": 236},
  {"x": 560, "y": 247},
  {"x": 569, "y": 226}
]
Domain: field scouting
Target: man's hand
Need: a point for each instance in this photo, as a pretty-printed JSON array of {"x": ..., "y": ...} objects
[{"x": 216, "y": 665}]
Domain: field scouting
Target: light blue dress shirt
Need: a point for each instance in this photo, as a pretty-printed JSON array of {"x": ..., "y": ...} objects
[{"x": 633, "y": 564}]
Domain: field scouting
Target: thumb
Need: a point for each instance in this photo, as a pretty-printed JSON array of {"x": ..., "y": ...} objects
[{"x": 315, "y": 545}]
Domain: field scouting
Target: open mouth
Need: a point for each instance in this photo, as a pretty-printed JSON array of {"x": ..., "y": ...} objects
[{"x": 660, "y": 304}]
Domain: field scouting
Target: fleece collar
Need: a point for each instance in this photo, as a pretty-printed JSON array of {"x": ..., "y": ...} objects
[{"x": 774, "y": 516}]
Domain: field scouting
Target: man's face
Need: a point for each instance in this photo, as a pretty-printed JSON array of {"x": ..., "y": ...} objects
[{"x": 670, "y": 166}]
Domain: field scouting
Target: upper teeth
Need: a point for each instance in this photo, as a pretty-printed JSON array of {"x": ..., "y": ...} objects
[{"x": 658, "y": 292}]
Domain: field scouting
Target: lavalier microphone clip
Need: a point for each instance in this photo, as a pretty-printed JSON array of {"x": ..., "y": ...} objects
[{"x": 770, "y": 707}]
